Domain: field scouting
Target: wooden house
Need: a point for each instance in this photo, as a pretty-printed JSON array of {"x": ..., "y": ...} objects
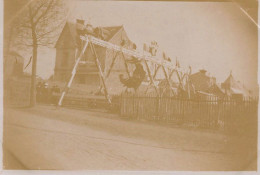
[{"x": 67, "y": 49}]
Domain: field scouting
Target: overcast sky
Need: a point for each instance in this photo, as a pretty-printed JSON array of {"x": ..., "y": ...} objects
[{"x": 216, "y": 36}]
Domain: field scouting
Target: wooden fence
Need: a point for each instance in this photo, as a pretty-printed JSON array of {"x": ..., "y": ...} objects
[{"x": 206, "y": 113}]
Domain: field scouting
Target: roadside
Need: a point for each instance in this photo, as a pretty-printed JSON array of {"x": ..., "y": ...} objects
[
  {"x": 108, "y": 133},
  {"x": 11, "y": 162}
]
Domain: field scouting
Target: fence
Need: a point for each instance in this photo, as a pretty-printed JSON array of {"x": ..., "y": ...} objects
[{"x": 206, "y": 113}]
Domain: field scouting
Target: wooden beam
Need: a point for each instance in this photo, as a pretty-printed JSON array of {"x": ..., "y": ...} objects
[
  {"x": 125, "y": 63},
  {"x": 151, "y": 77},
  {"x": 73, "y": 73},
  {"x": 156, "y": 70},
  {"x": 171, "y": 73},
  {"x": 111, "y": 66},
  {"x": 100, "y": 72},
  {"x": 167, "y": 78},
  {"x": 129, "y": 52}
]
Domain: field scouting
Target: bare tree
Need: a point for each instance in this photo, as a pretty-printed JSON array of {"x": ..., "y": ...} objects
[{"x": 38, "y": 25}]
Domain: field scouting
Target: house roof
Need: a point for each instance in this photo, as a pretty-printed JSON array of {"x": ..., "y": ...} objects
[
  {"x": 201, "y": 74},
  {"x": 216, "y": 90},
  {"x": 202, "y": 81},
  {"x": 234, "y": 86},
  {"x": 108, "y": 32},
  {"x": 236, "y": 91},
  {"x": 231, "y": 81}
]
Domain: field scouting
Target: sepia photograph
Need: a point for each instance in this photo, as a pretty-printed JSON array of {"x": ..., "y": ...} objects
[{"x": 130, "y": 85}]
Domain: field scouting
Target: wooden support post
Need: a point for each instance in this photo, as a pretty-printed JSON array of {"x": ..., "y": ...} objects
[
  {"x": 188, "y": 85},
  {"x": 180, "y": 79},
  {"x": 171, "y": 73},
  {"x": 100, "y": 72},
  {"x": 156, "y": 70},
  {"x": 126, "y": 66},
  {"x": 167, "y": 78},
  {"x": 112, "y": 64},
  {"x": 151, "y": 77},
  {"x": 73, "y": 73}
]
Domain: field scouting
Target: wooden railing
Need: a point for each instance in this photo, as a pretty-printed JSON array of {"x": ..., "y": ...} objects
[{"x": 205, "y": 113}]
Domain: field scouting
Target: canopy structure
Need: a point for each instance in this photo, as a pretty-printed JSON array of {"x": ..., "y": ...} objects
[{"x": 168, "y": 68}]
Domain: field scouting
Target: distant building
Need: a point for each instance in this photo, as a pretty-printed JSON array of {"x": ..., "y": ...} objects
[
  {"x": 201, "y": 81},
  {"x": 217, "y": 90},
  {"x": 87, "y": 72},
  {"x": 206, "y": 85},
  {"x": 235, "y": 88}
]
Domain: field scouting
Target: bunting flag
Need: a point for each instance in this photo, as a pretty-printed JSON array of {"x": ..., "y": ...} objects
[
  {"x": 145, "y": 48},
  {"x": 153, "y": 48},
  {"x": 164, "y": 56},
  {"x": 190, "y": 69},
  {"x": 134, "y": 46},
  {"x": 177, "y": 63}
]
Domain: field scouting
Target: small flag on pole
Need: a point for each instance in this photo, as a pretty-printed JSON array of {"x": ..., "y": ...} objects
[{"x": 145, "y": 48}]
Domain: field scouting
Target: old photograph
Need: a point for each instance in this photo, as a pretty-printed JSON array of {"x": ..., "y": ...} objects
[{"x": 130, "y": 85}]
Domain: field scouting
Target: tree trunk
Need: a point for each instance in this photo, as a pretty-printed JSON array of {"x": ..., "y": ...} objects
[{"x": 34, "y": 65}]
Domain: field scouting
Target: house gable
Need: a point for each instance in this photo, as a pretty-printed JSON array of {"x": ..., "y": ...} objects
[{"x": 66, "y": 39}]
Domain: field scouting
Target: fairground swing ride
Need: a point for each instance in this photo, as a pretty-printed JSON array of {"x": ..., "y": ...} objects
[{"x": 139, "y": 59}]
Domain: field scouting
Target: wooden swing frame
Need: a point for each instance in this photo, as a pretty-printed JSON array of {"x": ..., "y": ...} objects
[{"x": 91, "y": 41}]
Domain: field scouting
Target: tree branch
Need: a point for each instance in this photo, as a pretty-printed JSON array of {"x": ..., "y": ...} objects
[
  {"x": 37, "y": 9},
  {"x": 45, "y": 12},
  {"x": 50, "y": 31}
]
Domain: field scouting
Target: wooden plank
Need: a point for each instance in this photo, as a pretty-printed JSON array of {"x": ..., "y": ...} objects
[
  {"x": 100, "y": 72},
  {"x": 111, "y": 66},
  {"x": 151, "y": 77},
  {"x": 73, "y": 72}
]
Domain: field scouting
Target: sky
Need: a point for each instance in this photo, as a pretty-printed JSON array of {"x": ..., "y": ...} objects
[{"x": 216, "y": 36}]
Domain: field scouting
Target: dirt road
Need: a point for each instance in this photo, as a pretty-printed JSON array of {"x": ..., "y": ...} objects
[{"x": 48, "y": 138}]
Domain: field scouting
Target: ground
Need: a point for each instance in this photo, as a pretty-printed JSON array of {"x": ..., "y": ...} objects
[{"x": 46, "y": 137}]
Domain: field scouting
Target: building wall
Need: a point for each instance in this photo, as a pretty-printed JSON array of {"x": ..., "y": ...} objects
[
  {"x": 110, "y": 54},
  {"x": 113, "y": 83},
  {"x": 65, "y": 56},
  {"x": 202, "y": 82},
  {"x": 89, "y": 79},
  {"x": 65, "y": 60},
  {"x": 88, "y": 73}
]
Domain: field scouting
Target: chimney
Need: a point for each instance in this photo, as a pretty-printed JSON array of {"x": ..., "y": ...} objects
[{"x": 203, "y": 71}]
